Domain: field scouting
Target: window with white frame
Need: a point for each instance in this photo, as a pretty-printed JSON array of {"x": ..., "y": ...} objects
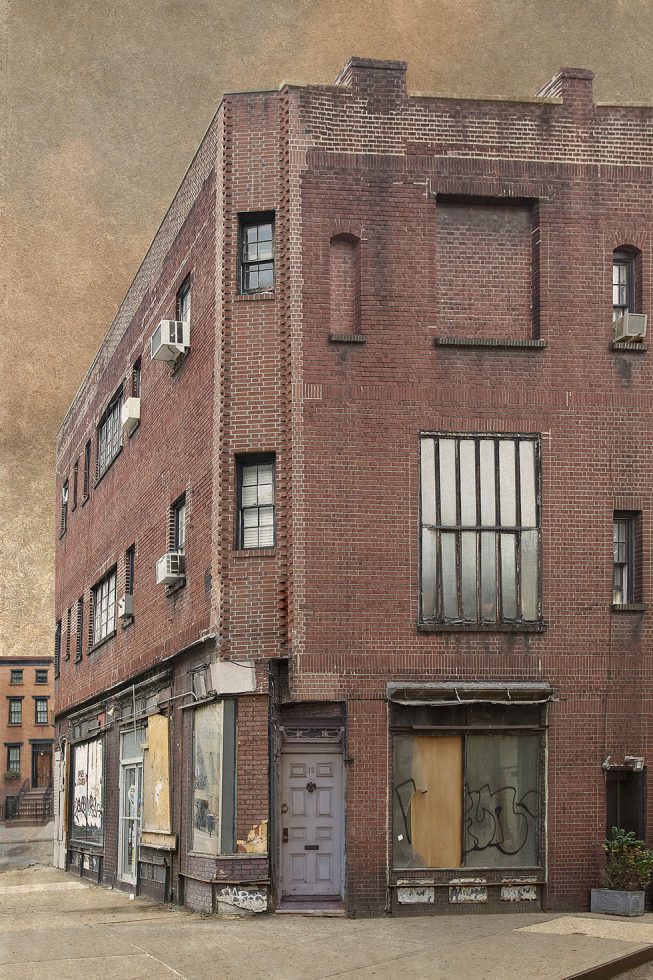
[
  {"x": 179, "y": 525},
  {"x": 108, "y": 435},
  {"x": 256, "y": 502},
  {"x": 480, "y": 517},
  {"x": 623, "y": 282},
  {"x": 104, "y": 607},
  {"x": 183, "y": 301}
]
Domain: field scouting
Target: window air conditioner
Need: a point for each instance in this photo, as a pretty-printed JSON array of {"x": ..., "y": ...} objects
[
  {"x": 170, "y": 340},
  {"x": 130, "y": 414},
  {"x": 630, "y": 326},
  {"x": 170, "y": 568},
  {"x": 126, "y": 606}
]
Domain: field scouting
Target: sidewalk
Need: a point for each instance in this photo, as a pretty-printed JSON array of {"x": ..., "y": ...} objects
[
  {"x": 22, "y": 844},
  {"x": 53, "y": 925}
]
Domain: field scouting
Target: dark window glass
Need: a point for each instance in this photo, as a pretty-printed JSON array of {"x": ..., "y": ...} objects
[
  {"x": 257, "y": 253},
  {"x": 183, "y": 301},
  {"x": 41, "y": 705},
  {"x": 87, "y": 470},
  {"x": 15, "y": 711},
  {"x": 41, "y": 677},
  {"x": 108, "y": 435},
  {"x": 104, "y": 607}
]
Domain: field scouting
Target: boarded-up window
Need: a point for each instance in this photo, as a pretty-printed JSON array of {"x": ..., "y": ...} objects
[
  {"x": 156, "y": 777},
  {"x": 344, "y": 291},
  {"x": 466, "y": 801},
  {"x": 88, "y": 790},
  {"x": 484, "y": 260}
]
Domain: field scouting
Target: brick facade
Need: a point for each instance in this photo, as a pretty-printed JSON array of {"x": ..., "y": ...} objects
[{"x": 441, "y": 266}]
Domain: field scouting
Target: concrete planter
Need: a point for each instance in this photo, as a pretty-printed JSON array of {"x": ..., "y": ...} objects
[{"x": 611, "y": 901}]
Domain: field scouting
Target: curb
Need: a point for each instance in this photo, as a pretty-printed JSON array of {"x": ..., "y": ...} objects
[{"x": 613, "y": 968}]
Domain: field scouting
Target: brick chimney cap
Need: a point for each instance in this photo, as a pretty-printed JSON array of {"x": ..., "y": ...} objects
[
  {"x": 356, "y": 62},
  {"x": 585, "y": 73}
]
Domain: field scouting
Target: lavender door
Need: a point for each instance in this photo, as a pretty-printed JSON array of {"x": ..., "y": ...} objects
[{"x": 311, "y": 824}]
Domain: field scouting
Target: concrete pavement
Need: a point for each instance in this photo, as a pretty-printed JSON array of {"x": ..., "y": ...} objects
[
  {"x": 22, "y": 844},
  {"x": 53, "y": 925}
]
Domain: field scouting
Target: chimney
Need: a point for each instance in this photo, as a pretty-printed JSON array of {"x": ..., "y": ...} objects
[
  {"x": 382, "y": 82},
  {"x": 573, "y": 86}
]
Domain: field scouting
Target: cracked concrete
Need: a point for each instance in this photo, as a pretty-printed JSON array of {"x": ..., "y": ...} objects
[{"x": 53, "y": 925}]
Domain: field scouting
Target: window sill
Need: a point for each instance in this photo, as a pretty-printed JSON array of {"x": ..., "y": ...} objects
[
  {"x": 101, "y": 643},
  {"x": 265, "y": 294},
  {"x": 255, "y": 552},
  {"x": 100, "y": 478},
  {"x": 175, "y": 587},
  {"x": 347, "y": 338},
  {"x": 14, "y": 724},
  {"x": 481, "y": 627},
  {"x": 635, "y": 347},
  {"x": 85, "y": 499},
  {"x": 499, "y": 343},
  {"x": 134, "y": 430},
  {"x": 626, "y": 607}
]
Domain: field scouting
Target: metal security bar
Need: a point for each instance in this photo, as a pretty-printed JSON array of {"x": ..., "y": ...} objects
[{"x": 480, "y": 519}]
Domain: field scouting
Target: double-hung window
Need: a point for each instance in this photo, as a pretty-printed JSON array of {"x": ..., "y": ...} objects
[
  {"x": 108, "y": 435},
  {"x": 256, "y": 502},
  {"x": 480, "y": 518},
  {"x": 256, "y": 253},
  {"x": 16, "y": 677},
  {"x": 41, "y": 677},
  {"x": 104, "y": 607},
  {"x": 13, "y": 758},
  {"x": 179, "y": 526},
  {"x": 15, "y": 711},
  {"x": 624, "y": 548},
  {"x": 623, "y": 283},
  {"x": 41, "y": 711},
  {"x": 183, "y": 301},
  {"x": 64, "y": 509}
]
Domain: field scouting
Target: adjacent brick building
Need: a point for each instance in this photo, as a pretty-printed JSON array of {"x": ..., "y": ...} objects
[
  {"x": 352, "y": 585},
  {"x": 27, "y": 736}
]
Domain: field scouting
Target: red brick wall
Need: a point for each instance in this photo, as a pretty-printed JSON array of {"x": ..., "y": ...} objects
[
  {"x": 483, "y": 270},
  {"x": 339, "y": 591}
]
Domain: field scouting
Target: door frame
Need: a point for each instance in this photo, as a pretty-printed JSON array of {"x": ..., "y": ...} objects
[
  {"x": 312, "y": 741},
  {"x": 41, "y": 748},
  {"x": 128, "y": 763}
]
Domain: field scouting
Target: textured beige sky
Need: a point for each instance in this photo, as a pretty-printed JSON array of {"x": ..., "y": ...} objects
[{"x": 105, "y": 102}]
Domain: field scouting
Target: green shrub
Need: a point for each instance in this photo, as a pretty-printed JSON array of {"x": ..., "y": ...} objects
[{"x": 629, "y": 863}]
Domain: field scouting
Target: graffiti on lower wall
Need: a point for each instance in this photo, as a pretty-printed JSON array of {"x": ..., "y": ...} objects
[{"x": 236, "y": 898}]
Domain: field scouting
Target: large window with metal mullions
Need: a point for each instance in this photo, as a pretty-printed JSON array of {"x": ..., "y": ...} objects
[{"x": 481, "y": 530}]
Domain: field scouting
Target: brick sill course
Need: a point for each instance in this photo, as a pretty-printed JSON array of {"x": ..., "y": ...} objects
[
  {"x": 250, "y": 297},
  {"x": 101, "y": 643},
  {"x": 481, "y": 627},
  {"x": 347, "y": 338},
  {"x": 635, "y": 348},
  {"x": 254, "y": 552},
  {"x": 621, "y": 607},
  {"x": 487, "y": 342}
]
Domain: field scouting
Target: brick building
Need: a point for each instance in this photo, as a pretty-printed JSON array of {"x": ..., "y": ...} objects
[
  {"x": 353, "y": 569},
  {"x": 26, "y": 736}
]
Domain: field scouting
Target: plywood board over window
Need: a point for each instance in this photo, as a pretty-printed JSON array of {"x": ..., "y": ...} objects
[
  {"x": 436, "y": 807},
  {"x": 157, "y": 827}
]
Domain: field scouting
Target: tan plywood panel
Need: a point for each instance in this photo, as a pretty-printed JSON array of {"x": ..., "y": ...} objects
[
  {"x": 436, "y": 807},
  {"x": 156, "y": 777}
]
